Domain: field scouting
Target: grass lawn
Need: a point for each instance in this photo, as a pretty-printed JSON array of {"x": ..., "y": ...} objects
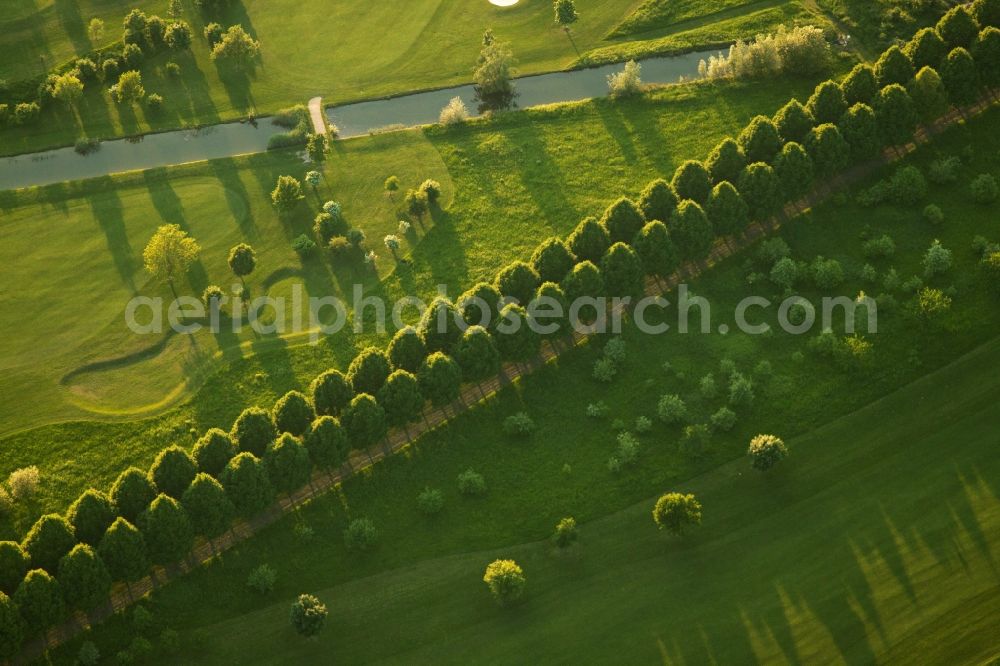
[
  {"x": 547, "y": 169},
  {"x": 883, "y": 521},
  {"x": 363, "y": 51}
]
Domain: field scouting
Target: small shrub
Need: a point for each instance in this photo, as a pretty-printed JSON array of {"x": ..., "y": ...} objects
[
  {"x": 727, "y": 367},
  {"x": 172, "y": 69},
  {"x": 308, "y": 615},
  {"x": 471, "y": 483},
  {"x": 944, "y": 171},
  {"x": 430, "y": 501},
  {"x": 614, "y": 351},
  {"x": 723, "y": 420},
  {"x": 518, "y": 425},
  {"x": 908, "y": 186},
  {"x": 23, "y": 483},
  {"x": 643, "y": 424},
  {"x": 827, "y": 273},
  {"x": 597, "y": 410},
  {"x": 933, "y": 214},
  {"x": 304, "y": 246},
  {"x": 912, "y": 285},
  {"x": 605, "y": 370},
  {"x": 262, "y": 579},
  {"x": 869, "y": 273},
  {"x": 454, "y": 112},
  {"x": 741, "y": 392},
  {"x": 771, "y": 251},
  {"x": 627, "y": 453},
  {"x": 626, "y": 82},
  {"x": 882, "y": 247},
  {"x": 143, "y": 621},
  {"x": 154, "y": 102},
  {"x": 937, "y": 260},
  {"x": 671, "y": 409},
  {"x": 88, "y": 655},
  {"x": 360, "y": 534},
  {"x": 985, "y": 189},
  {"x": 707, "y": 387},
  {"x": 566, "y": 533}
]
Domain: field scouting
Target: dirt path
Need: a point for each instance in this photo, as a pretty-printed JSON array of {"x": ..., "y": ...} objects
[
  {"x": 124, "y": 596},
  {"x": 316, "y": 113}
]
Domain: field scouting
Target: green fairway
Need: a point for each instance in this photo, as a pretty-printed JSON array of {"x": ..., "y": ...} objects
[
  {"x": 879, "y": 540},
  {"x": 881, "y": 523},
  {"x": 585, "y": 154}
]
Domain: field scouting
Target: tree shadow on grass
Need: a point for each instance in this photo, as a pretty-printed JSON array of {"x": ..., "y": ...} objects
[
  {"x": 106, "y": 207},
  {"x": 72, "y": 24},
  {"x": 237, "y": 197},
  {"x": 195, "y": 91}
]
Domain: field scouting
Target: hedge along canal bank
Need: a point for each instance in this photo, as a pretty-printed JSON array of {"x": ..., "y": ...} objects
[{"x": 240, "y": 138}]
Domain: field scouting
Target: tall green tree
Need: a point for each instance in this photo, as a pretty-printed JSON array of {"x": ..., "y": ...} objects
[
  {"x": 549, "y": 308},
  {"x": 170, "y": 253},
  {"x": 518, "y": 280},
  {"x": 123, "y": 551},
  {"x": 480, "y": 305},
  {"x": 516, "y": 339},
  {"x": 958, "y": 28},
  {"x": 656, "y": 249},
  {"x": 369, "y": 370},
  {"x": 132, "y": 492},
  {"x": 14, "y": 564},
  {"x": 327, "y": 443},
  {"x": 401, "y": 399},
  {"x": 213, "y": 451},
  {"x": 930, "y": 98},
  {"x": 11, "y": 628},
  {"x": 827, "y": 104},
  {"x": 691, "y": 231},
  {"x": 288, "y": 465},
  {"x": 761, "y": 189},
  {"x": 47, "y": 541},
  {"x": 622, "y": 271},
  {"x": 675, "y": 512},
  {"x": 828, "y": 149},
  {"x": 860, "y": 86},
  {"x": 987, "y": 56},
  {"x": 584, "y": 280},
  {"x": 727, "y": 211},
  {"x": 725, "y": 161},
  {"x": 293, "y": 413},
  {"x": 960, "y": 77},
  {"x": 91, "y": 515},
  {"x": 242, "y": 261},
  {"x": 623, "y": 220},
  {"x": 84, "y": 578},
  {"x": 477, "y": 354},
  {"x": 254, "y": 430},
  {"x": 173, "y": 470},
  {"x": 896, "y": 115},
  {"x": 658, "y": 201},
  {"x": 208, "y": 506},
  {"x": 589, "y": 241},
  {"x": 760, "y": 140},
  {"x": 859, "y": 127},
  {"x": 926, "y": 49},
  {"x": 692, "y": 181},
  {"x": 493, "y": 76},
  {"x": 440, "y": 379},
  {"x": 40, "y": 600},
  {"x": 793, "y": 122},
  {"x": 552, "y": 260},
  {"x": 407, "y": 350},
  {"x": 331, "y": 392},
  {"x": 246, "y": 482},
  {"x": 893, "y": 67},
  {"x": 440, "y": 326},
  {"x": 167, "y": 530}
]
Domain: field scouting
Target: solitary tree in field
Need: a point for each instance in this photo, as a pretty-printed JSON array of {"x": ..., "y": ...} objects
[
  {"x": 675, "y": 512},
  {"x": 287, "y": 193},
  {"x": 129, "y": 88},
  {"x": 391, "y": 186},
  {"x": 494, "y": 76},
  {"x": 95, "y": 31},
  {"x": 308, "y": 615},
  {"x": 170, "y": 253},
  {"x": 766, "y": 451},
  {"x": 566, "y": 14},
  {"x": 242, "y": 261},
  {"x": 506, "y": 581},
  {"x": 236, "y": 47}
]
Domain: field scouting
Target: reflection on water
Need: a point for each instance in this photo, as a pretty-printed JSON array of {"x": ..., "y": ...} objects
[{"x": 230, "y": 139}]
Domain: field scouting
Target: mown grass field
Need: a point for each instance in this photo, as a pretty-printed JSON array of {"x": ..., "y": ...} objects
[
  {"x": 877, "y": 539},
  {"x": 552, "y": 167},
  {"x": 361, "y": 51}
]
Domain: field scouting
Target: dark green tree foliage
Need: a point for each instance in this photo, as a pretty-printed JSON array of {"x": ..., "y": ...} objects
[
  {"x": 14, "y": 563},
  {"x": 308, "y": 615},
  {"x": 246, "y": 483},
  {"x": 401, "y": 398},
  {"x": 584, "y": 280},
  {"x": 896, "y": 115},
  {"x": 254, "y": 431},
  {"x": 293, "y": 413},
  {"x": 407, "y": 350},
  {"x": 84, "y": 578},
  {"x": 960, "y": 77},
  {"x": 656, "y": 249},
  {"x": 623, "y": 220},
  {"x": 123, "y": 551},
  {"x": 242, "y": 260},
  {"x": 516, "y": 340},
  {"x": 552, "y": 260},
  {"x": 91, "y": 515},
  {"x": 331, "y": 392},
  {"x": 794, "y": 169},
  {"x": 370, "y": 368},
  {"x": 480, "y": 305},
  {"x": 958, "y": 28},
  {"x": 827, "y": 103},
  {"x": 11, "y": 628},
  {"x": 477, "y": 354},
  {"x": 364, "y": 420},
  {"x": 725, "y": 162},
  {"x": 987, "y": 56},
  {"x": 726, "y": 210},
  {"x": 893, "y": 67},
  {"x": 167, "y": 530},
  {"x": 861, "y": 85},
  {"x": 287, "y": 463},
  {"x": 40, "y": 600},
  {"x": 132, "y": 492},
  {"x": 692, "y": 181},
  {"x": 208, "y": 507},
  {"x": 589, "y": 241},
  {"x": 47, "y": 541},
  {"x": 516, "y": 280},
  {"x": 440, "y": 379},
  {"x": 622, "y": 271},
  {"x": 691, "y": 231},
  {"x": 860, "y": 130},
  {"x": 213, "y": 451},
  {"x": 440, "y": 326},
  {"x": 986, "y": 12},
  {"x": 550, "y": 309},
  {"x": 761, "y": 189},
  {"x": 929, "y": 95},
  {"x": 327, "y": 443},
  {"x": 926, "y": 49},
  {"x": 760, "y": 140},
  {"x": 173, "y": 470},
  {"x": 793, "y": 122},
  {"x": 828, "y": 149},
  {"x": 658, "y": 201}
]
